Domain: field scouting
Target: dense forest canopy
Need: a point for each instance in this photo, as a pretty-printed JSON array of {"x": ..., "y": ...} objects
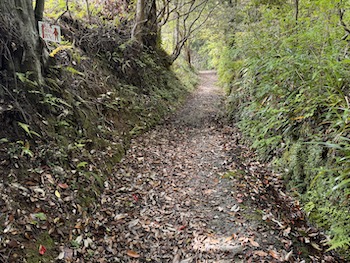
[{"x": 284, "y": 66}]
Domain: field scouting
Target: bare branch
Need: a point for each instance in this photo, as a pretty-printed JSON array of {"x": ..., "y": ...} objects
[
  {"x": 166, "y": 8},
  {"x": 188, "y": 31},
  {"x": 341, "y": 19},
  {"x": 66, "y": 11}
]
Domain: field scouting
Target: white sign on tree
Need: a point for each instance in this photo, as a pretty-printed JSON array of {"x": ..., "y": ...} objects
[{"x": 49, "y": 32}]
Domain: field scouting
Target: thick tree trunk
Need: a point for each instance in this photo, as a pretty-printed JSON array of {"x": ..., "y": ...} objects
[
  {"x": 145, "y": 30},
  {"x": 20, "y": 49}
]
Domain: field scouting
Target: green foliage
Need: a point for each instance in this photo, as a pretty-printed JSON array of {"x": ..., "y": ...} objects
[
  {"x": 54, "y": 8},
  {"x": 40, "y": 216},
  {"x": 86, "y": 111},
  {"x": 32, "y": 251},
  {"x": 25, "y": 78},
  {"x": 82, "y": 165},
  {"x": 27, "y": 129},
  {"x": 185, "y": 73},
  {"x": 74, "y": 71},
  {"x": 26, "y": 149},
  {"x": 332, "y": 215},
  {"x": 288, "y": 82},
  {"x": 211, "y": 43},
  {"x": 102, "y": 11}
]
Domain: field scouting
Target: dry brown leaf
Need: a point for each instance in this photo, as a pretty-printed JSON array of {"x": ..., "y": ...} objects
[
  {"x": 233, "y": 236},
  {"x": 208, "y": 191},
  {"x": 68, "y": 253},
  {"x": 286, "y": 232},
  {"x": 63, "y": 185},
  {"x": 260, "y": 253},
  {"x": 132, "y": 254},
  {"x": 253, "y": 243},
  {"x": 274, "y": 254},
  {"x": 288, "y": 255},
  {"x": 49, "y": 177},
  {"x": 78, "y": 225},
  {"x": 177, "y": 258}
]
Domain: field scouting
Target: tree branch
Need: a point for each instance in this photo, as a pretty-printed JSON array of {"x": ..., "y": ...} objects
[{"x": 189, "y": 31}]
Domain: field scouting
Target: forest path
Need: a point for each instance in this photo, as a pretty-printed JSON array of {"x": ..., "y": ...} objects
[{"x": 171, "y": 199}]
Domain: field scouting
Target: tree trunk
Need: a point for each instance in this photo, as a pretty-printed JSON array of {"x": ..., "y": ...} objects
[
  {"x": 151, "y": 36},
  {"x": 20, "y": 48},
  {"x": 138, "y": 29},
  {"x": 39, "y": 10},
  {"x": 188, "y": 56},
  {"x": 145, "y": 30}
]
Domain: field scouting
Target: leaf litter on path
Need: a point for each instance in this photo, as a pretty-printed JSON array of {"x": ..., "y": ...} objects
[
  {"x": 186, "y": 191},
  {"x": 179, "y": 205},
  {"x": 181, "y": 208}
]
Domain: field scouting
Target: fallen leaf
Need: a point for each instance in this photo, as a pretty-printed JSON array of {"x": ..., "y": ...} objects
[
  {"x": 133, "y": 223},
  {"x": 235, "y": 208},
  {"x": 87, "y": 242},
  {"x": 182, "y": 227},
  {"x": 135, "y": 197},
  {"x": 120, "y": 216},
  {"x": 132, "y": 254},
  {"x": 11, "y": 218},
  {"x": 49, "y": 178},
  {"x": 288, "y": 256},
  {"x": 42, "y": 250},
  {"x": 63, "y": 186},
  {"x": 316, "y": 246},
  {"x": 253, "y": 243},
  {"x": 286, "y": 232},
  {"x": 176, "y": 259},
  {"x": 61, "y": 255},
  {"x": 79, "y": 239},
  {"x": 13, "y": 244},
  {"x": 274, "y": 254},
  {"x": 188, "y": 260},
  {"x": 260, "y": 253},
  {"x": 57, "y": 194},
  {"x": 66, "y": 253},
  {"x": 41, "y": 216},
  {"x": 233, "y": 236}
]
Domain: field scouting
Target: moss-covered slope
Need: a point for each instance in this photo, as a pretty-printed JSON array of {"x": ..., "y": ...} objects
[{"x": 59, "y": 141}]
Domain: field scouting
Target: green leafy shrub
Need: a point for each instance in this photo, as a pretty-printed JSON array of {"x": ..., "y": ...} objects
[{"x": 289, "y": 86}]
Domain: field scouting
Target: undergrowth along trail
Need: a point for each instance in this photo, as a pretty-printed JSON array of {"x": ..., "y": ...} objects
[{"x": 187, "y": 191}]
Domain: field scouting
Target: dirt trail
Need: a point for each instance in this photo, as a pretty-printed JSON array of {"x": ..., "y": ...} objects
[{"x": 171, "y": 201}]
